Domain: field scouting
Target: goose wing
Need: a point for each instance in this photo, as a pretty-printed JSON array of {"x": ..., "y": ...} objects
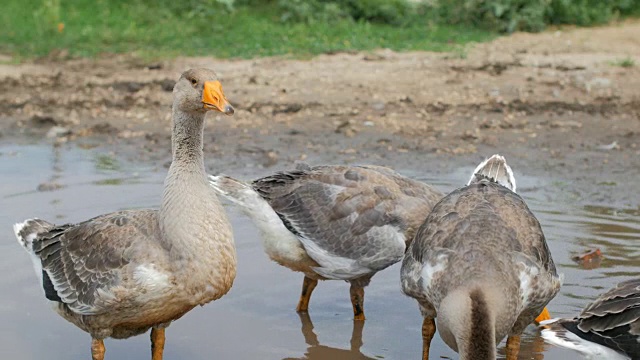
[
  {"x": 351, "y": 220},
  {"x": 613, "y": 319},
  {"x": 84, "y": 264}
]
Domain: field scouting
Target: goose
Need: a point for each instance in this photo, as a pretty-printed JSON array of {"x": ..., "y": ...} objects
[
  {"x": 119, "y": 274},
  {"x": 607, "y": 328},
  {"x": 481, "y": 265},
  {"x": 333, "y": 222}
]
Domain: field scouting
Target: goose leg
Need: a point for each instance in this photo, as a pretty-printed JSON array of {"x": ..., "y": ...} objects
[
  {"x": 428, "y": 330},
  {"x": 157, "y": 343},
  {"x": 357, "y": 300},
  {"x": 513, "y": 347},
  {"x": 97, "y": 349},
  {"x": 307, "y": 288},
  {"x": 544, "y": 315}
]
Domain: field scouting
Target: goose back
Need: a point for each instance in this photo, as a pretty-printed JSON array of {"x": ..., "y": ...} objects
[{"x": 482, "y": 234}]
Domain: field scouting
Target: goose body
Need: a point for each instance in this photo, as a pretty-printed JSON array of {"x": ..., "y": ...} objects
[
  {"x": 119, "y": 274},
  {"x": 481, "y": 265},
  {"x": 333, "y": 222},
  {"x": 607, "y": 328}
]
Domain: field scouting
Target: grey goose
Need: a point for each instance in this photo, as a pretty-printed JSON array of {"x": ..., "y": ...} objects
[
  {"x": 480, "y": 264},
  {"x": 119, "y": 274},
  {"x": 333, "y": 222}
]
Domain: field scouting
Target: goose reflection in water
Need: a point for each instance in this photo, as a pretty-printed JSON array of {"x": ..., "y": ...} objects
[
  {"x": 317, "y": 351},
  {"x": 532, "y": 346}
]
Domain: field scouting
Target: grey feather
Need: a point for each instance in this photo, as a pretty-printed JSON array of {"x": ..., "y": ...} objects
[
  {"x": 612, "y": 320},
  {"x": 85, "y": 261},
  {"x": 342, "y": 208}
]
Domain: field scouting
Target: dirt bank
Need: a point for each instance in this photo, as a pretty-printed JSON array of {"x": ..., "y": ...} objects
[{"x": 559, "y": 104}]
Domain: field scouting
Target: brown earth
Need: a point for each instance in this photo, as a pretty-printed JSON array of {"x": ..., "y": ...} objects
[{"x": 558, "y": 104}]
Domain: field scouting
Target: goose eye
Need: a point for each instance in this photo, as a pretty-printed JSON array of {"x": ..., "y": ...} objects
[{"x": 194, "y": 81}]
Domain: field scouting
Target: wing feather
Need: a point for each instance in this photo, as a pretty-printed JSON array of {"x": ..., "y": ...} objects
[
  {"x": 83, "y": 263},
  {"x": 351, "y": 220}
]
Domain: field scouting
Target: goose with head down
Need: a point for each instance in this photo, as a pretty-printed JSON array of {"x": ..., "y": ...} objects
[
  {"x": 333, "y": 222},
  {"x": 119, "y": 274},
  {"x": 481, "y": 265}
]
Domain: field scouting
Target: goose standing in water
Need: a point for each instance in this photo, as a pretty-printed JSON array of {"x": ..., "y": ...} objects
[
  {"x": 119, "y": 274},
  {"x": 333, "y": 222},
  {"x": 608, "y": 328},
  {"x": 480, "y": 263}
]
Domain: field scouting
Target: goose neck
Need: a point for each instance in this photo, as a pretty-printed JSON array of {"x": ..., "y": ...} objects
[{"x": 187, "y": 138}]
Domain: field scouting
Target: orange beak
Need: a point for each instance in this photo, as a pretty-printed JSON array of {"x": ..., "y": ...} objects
[
  {"x": 213, "y": 98},
  {"x": 544, "y": 315}
]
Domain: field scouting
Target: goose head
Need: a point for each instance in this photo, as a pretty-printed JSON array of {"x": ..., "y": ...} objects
[{"x": 198, "y": 91}]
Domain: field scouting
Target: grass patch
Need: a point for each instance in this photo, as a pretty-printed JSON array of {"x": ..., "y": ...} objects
[
  {"x": 104, "y": 162},
  {"x": 625, "y": 63},
  {"x": 35, "y": 28}
]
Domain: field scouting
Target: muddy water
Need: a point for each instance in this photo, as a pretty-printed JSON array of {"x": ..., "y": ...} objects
[{"x": 256, "y": 320}]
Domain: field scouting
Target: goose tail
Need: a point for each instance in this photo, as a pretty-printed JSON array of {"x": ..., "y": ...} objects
[
  {"x": 234, "y": 190},
  {"x": 28, "y": 230},
  {"x": 494, "y": 169}
]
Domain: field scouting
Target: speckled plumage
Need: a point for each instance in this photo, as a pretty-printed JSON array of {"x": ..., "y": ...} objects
[
  {"x": 611, "y": 321},
  {"x": 340, "y": 222},
  {"x": 119, "y": 274},
  {"x": 354, "y": 213},
  {"x": 480, "y": 238}
]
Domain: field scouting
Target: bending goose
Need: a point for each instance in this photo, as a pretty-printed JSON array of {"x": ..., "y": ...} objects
[
  {"x": 333, "y": 222},
  {"x": 608, "y": 328},
  {"x": 480, "y": 263},
  {"x": 119, "y": 274}
]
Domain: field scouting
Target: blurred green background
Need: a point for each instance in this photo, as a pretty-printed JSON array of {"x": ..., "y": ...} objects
[{"x": 250, "y": 28}]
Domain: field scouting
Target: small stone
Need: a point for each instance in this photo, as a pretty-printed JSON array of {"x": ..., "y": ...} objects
[
  {"x": 607, "y": 147},
  {"x": 378, "y": 106},
  {"x": 565, "y": 124},
  {"x": 43, "y": 121},
  {"x": 58, "y": 131},
  {"x": 469, "y": 135},
  {"x": 406, "y": 99},
  {"x": 599, "y": 82}
]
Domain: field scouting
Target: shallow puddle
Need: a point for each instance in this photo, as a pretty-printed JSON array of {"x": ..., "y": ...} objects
[{"x": 256, "y": 320}]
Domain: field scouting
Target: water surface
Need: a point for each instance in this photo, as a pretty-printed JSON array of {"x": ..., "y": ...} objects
[{"x": 256, "y": 320}]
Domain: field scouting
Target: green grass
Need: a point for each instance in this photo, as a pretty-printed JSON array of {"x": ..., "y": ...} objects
[
  {"x": 29, "y": 28},
  {"x": 625, "y": 63}
]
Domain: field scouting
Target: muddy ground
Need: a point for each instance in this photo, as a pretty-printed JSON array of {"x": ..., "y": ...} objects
[{"x": 559, "y": 105}]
